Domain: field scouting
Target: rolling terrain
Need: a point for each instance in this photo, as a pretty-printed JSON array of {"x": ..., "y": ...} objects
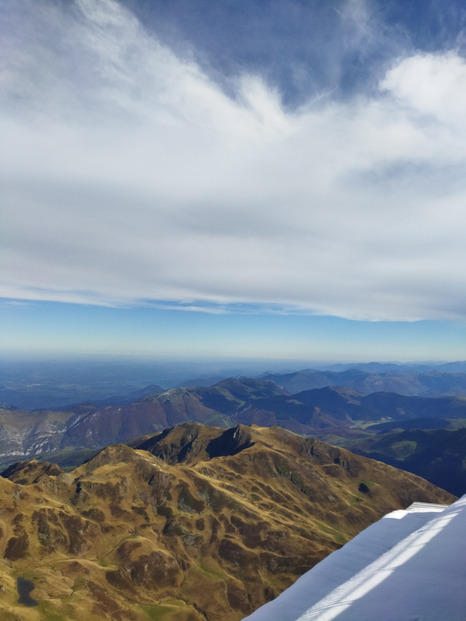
[{"x": 193, "y": 523}]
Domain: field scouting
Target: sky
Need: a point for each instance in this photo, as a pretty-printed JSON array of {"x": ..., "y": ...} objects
[{"x": 248, "y": 178}]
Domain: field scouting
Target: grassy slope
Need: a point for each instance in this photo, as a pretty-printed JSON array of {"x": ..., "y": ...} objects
[{"x": 129, "y": 536}]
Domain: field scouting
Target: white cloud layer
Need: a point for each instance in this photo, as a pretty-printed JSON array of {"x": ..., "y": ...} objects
[{"x": 128, "y": 175}]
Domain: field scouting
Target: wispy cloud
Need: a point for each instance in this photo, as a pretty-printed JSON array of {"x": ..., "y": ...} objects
[{"x": 130, "y": 174}]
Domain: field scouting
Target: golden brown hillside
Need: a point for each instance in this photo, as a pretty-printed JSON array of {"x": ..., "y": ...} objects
[{"x": 226, "y": 521}]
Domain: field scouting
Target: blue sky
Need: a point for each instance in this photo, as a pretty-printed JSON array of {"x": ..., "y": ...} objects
[
  {"x": 254, "y": 179},
  {"x": 146, "y": 331}
]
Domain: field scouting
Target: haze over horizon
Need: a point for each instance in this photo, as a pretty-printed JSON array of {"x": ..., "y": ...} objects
[{"x": 263, "y": 180}]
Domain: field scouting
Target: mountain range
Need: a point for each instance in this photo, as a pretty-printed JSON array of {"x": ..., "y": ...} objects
[
  {"x": 244, "y": 400},
  {"x": 369, "y": 424},
  {"x": 193, "y": 523},
  {"x": 408, "y": 380},
  {"x": 55, "y": 385}
]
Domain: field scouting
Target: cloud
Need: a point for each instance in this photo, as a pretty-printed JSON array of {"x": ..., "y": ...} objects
[
  {"x": 432, "y": 85},
  {"x": 131, "y": 175}
]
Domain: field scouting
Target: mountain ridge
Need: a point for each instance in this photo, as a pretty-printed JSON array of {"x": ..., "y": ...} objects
[{"x": 205, "y": 533}]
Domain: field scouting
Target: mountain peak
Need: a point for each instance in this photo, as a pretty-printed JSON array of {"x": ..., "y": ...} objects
[{"x": 232, "y": 519}]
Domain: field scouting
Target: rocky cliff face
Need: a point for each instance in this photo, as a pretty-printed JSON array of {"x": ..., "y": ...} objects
[{"x": 210, "y": 525}]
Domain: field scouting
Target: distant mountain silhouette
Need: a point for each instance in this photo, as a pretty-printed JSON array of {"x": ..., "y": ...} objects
[{"x": 450, "y": 379}]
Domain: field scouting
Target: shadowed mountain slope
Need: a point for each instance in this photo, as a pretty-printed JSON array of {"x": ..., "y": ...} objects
[
  {"x": 438, "y": 455},
  {"x": 224, "y": 522}
]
